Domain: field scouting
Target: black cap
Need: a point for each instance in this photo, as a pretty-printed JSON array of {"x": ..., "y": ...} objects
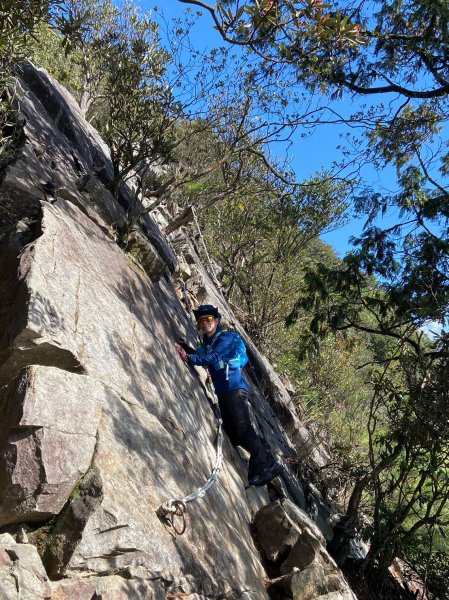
[{"x": 206, "y": 309}]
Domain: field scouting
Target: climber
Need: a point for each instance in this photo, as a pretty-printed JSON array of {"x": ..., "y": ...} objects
[{"x": 223, "y": 354}]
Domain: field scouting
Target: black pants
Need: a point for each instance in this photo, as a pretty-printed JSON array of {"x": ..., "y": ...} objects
[{"x": 237, "y": 424}]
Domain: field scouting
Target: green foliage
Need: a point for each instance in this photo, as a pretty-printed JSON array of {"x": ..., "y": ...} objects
[
  {"x": 259, "y": 234},
  {"x": 354, "y": 45},
  {"x": 110, "y": 57},
  {"x": 139, "y": 109},
  {"x": 310, "y": 30},
  {"x": 18, "y": 21},
  {"x": 407, "y": 474},
  {"x": 47, "y": 49},
  {"x": 332, "y": 397},
  {"x": 432, "y": 566}
]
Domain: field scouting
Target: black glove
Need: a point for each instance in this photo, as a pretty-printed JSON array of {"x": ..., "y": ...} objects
[{"x": 181, "y": 342}]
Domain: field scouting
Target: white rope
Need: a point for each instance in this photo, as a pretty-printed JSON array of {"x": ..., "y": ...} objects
[
  {"x": 201, "y": 491},
  {"x": 176, "y": 508}
]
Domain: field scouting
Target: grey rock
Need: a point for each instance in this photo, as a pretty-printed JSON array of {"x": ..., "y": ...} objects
[
  {"x": 65, "y": 116},
  {"x": 83, "y": 300},
  {"x": 286, "y": 533},
  {"x": 280, "y": 525},
  {"x": 22, "y": 575},
  {"x": 302, "y": 519},
  {"x": 45, "y": 446},
  {"x": 302, "y": 554},
  {"x": 324, "y": 513},
  {"x": 100, "y": 421},
  {"x": 68, "y": 529},
  {"x": 184, "y": 271},
  {"x": 342, "y": 595},
  {"x": 276, "y": 532},
  {"x": 113, "y": 586},
  {"x": 6, "y": 539},
  {"x": 312, "y": 583},
  {"x": 21, "y": 536},
  {"x": 145, "y": 253},
  {"x": 357, "y": 550},
  {"x": 101, "y": 200},
  {"x": 55, "y": 122},
  {"x": 309, "y": 583}
]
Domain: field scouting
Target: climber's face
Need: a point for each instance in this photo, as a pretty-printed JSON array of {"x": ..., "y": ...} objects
[{"x": 208, "y": 324}]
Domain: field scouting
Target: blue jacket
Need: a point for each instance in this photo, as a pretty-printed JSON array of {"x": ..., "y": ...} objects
[{"x": 215, "y": 354}]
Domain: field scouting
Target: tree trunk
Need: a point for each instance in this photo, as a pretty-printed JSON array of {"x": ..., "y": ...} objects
[
  {"x": 344, "y": 530},
  {"x": 183, "y": 218}
]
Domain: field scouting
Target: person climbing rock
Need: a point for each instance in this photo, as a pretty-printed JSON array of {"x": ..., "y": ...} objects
[{"x": 223, "y": 353}]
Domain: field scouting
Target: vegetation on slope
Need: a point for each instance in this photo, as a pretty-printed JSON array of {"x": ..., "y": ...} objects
[{"x": 348, "y": 333}]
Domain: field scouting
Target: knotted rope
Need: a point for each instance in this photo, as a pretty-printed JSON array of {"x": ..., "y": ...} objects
[{"x": 174, "y": 509}]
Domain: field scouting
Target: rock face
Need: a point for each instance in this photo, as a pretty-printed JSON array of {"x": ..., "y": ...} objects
[
  {"x": 100, "y": 421},
  {"x": 296, "y": 547},
  {"x": 47, "y": 445},
  {"x": 21, "y": 572}
]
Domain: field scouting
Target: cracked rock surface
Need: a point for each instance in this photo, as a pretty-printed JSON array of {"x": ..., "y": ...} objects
[
  {"x": 21, "y": 572},
  {"x": 296, "y": 548},
  {"x": 47, "y": 441},
  {"x": 100, "y": 421}
]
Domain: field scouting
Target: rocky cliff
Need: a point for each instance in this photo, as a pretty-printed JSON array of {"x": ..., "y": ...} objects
[{"x": 100, "y": 421}]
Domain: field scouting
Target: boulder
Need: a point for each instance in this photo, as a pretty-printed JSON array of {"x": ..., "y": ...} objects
[
  {"x": 285, "y": 533},
  {"x": 48, "y": 426},
  {"x": 303, "y": 553},
  {"x": 22, "y": 576},
  {"x": 280, "y": 525},
  {"x": 276, "y": 532},
  {"x": 316, "y": 582}
]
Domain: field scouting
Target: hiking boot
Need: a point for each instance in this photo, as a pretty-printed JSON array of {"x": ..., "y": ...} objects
[{"x": 266, "y": 475}]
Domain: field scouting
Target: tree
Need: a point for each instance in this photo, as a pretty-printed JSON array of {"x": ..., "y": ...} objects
[
  {"x": 18, "y": 22},
  {"x": 355, "y": 45},
  {"x": 393, "y": 56},
  {"x": 225, "y": 146},
  {"x": 124, "y": 92},
  {"x": 47, "y": 49},
  {"x": 259, "y": 236},
  {"x": 153, "y": 107},
  {"x": 407, "y": 466}
]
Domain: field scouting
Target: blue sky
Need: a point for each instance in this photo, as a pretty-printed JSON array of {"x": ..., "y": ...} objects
[{"x": 307, "y": 154}]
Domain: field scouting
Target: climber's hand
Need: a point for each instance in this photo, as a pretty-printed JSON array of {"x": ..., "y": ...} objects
[
  {"x": 181, "y": 342},
  {"x": 182, "y": 353}
]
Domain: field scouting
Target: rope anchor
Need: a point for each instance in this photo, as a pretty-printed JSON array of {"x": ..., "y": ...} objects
[{"x": 171, "y": 509}]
